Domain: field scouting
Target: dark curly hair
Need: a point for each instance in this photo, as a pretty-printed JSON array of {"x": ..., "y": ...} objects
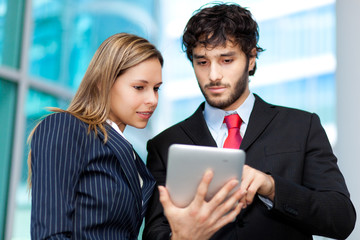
[{"x": 215, "y": 25}]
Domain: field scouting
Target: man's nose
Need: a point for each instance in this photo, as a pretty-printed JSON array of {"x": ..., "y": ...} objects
[{"x": 215, "y": 73}]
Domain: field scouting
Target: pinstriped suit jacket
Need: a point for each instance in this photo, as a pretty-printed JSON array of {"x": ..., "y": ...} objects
[{"x": 83, "y": 188}]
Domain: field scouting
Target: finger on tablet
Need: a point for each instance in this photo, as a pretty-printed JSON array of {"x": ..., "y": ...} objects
[
  {"x": 229, "y": 217},
  {"x": 203, "y": 187},
  {"x": 223, "y": 193},
  {"x": 165, "y": 198}
]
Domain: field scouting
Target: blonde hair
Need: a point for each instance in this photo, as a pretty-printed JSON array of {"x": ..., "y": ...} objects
[{"x": 91, "y": 103}]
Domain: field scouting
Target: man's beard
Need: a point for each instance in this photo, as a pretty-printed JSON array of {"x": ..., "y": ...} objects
[{"x": 237, "y": 91}]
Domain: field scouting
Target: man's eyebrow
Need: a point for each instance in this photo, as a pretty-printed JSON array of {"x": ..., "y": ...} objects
[
  {"x": 226, "y": 54},
  {"x": 196, "y": 56}
]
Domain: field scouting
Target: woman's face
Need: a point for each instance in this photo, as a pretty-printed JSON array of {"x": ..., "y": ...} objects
[{"x": 134, "y": 95}]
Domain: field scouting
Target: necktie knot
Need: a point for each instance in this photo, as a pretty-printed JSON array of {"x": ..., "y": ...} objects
[{"x": 233, "y": 121}]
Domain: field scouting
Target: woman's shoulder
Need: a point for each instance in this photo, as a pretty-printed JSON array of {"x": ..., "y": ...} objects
[
  {"x": 59, "y": 128},
  {"x": 62, "y": 121},
  {"x": 61, "y": 117}
]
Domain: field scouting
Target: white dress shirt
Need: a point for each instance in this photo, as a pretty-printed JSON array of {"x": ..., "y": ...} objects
[{"x": 214, "y": 118}]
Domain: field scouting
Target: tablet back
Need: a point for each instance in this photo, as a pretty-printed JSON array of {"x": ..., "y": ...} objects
[{"x": 188, "y": 163}]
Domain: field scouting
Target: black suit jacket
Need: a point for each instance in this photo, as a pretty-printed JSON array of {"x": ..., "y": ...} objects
[{"x": 311, "y": 196}]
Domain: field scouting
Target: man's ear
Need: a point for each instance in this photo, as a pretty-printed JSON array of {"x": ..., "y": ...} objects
[{"x": 252, "y": 59}]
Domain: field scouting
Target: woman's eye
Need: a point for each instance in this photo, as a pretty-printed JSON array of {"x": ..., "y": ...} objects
[
  {"x": 156, "y": 89},
  {"x": 139, "y": 87}
]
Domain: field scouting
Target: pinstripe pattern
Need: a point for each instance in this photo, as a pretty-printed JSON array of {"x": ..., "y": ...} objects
[{"x": 82, "y": 188}]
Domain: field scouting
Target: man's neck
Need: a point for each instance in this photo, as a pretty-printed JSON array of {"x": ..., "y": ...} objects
[{"x": 239, "y": 101}]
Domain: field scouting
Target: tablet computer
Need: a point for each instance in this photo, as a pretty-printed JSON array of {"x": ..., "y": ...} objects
[{"x": 188, "y": 163}]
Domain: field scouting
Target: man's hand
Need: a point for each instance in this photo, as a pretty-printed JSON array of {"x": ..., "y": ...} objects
[
  {"x": 254, "y": 181},
  {"x": 201, "y": 219}
]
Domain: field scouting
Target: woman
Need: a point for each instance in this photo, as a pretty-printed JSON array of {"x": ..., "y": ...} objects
[{"x": 87, "y": 182}]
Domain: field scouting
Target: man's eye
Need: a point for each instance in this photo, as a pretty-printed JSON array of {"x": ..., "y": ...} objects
[
  {"x": 228, "y": 60},
  {"x": 201, "y": 62}
]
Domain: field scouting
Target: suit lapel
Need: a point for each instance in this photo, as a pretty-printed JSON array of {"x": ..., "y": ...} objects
[
  {"x": 148, "y": 183},
  {"x": 261, "y": 115},
  {"x": 123, "y": 151},
  {"x": 197, "y": 129}
]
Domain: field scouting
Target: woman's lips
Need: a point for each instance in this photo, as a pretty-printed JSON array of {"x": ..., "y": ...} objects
[{"x": 145, "y": 115}]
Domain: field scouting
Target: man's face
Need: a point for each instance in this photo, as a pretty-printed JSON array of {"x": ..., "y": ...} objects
[{"x": 223, "y": 74}]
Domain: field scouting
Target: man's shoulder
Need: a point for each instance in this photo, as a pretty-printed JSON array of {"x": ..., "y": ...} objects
[
  {"x": 282, "y": 109},
  {"x": 292, "y": 115},
  {"x": 174, "y": 129},
  {"x": 292, "y": 110},
  {"x": 177, "y": 131}
]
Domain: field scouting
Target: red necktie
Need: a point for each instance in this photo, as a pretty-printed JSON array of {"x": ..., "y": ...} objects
[{"x": 233, "y": 123}]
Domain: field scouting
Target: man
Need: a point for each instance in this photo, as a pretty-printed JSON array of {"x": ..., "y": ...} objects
[{"x": 293, "y": 187}]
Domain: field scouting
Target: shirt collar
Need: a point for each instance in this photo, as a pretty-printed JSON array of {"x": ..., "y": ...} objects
[
  {"x": 116, "y": 127},
  {"x": 214, "y": 117}
]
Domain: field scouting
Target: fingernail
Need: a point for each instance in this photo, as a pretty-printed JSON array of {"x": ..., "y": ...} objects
[
  {"x": 160, "y": 190},
  {"x": 208, "y": 173},
  {"x": 235, "y": 182}
]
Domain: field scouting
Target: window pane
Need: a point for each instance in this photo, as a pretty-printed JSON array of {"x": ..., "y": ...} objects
[
  {"x": 67, "y": 35},
  {"x": 298, "y": 67},
  {"x": 7, "y": 120},
  {"x": 11, "y": 17}
]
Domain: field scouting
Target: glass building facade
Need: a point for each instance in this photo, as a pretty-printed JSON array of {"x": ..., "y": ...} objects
[{"x": 46, "y": 45}]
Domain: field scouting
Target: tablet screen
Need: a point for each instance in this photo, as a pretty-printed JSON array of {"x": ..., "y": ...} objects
[{"x": 188, "y": 163}]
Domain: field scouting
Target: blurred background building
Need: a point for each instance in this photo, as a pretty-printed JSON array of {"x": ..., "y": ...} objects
[{"x": 46, "y": 46}]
